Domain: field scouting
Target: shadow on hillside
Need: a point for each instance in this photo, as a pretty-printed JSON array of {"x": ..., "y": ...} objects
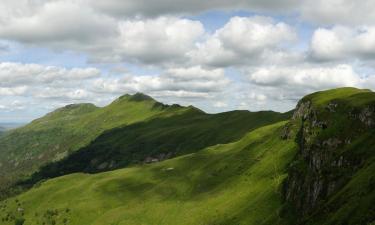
[{"x": 157, "y": 139}]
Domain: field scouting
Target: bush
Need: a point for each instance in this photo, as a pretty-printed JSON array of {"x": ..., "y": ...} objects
[{"x": 19, "y": 221}]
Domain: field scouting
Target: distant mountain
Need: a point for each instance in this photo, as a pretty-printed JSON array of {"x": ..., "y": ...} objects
[
  {"x": 159, "y": 139},
  {"x": 59, "y": 133},
  {"x": 145, "y": 129},
  {"x": 317, "y": 168},
  {"x": 8, "y": 126}
]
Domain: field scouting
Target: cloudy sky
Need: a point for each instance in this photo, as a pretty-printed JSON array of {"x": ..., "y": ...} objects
[{"x": 218, "y": 55}]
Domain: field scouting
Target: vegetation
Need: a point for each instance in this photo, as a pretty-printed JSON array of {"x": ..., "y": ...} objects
[
  {"x": 222, "y": 169},
  {"x": 158, "y": 139},
  {"x": 141, "y": 125},
  {"x": 331, "y": 180},
  {"x": 234, "y": 183},
  {"x": 67, "y": 129}
]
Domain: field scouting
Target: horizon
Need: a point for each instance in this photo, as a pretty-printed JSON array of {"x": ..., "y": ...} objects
[
  {"x": 16, "y": 124},
  {"x": 217, "y": 56}
]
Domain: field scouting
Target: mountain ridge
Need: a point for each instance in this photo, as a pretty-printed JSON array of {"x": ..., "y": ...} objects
[
  {"x": 314, "y": 168},
  {"x": 70, "y": 128}
]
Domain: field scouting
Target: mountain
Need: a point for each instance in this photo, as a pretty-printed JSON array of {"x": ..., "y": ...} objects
[
  {"x": 332, "y": 178},
  {"x": 159, "y": 139},
  {"x": 234, "y": 183},
  {"x": 56, "y": 135},
  {"x": 8, "y": 126},
  {"x": 316, "y": 168},
  {"x": 84, "y": 137}
]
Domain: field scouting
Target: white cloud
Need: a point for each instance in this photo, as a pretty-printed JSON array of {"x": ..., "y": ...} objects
[
  {"x": 44, "y": 84},
  {"x": 160, "y": 7},
  {"x": 292, "y": 83},
  {"x": 220, "y": 104},
  {"x": 251, "y": 62},
  {"x": 341, "y": 43},
  {"x": 13, "y": 106},
  {"x": 318, "y": 11},
  {"x": 241, "y": 40},
  {"x": 18, "y": 74},
  {"x": 158, "y": 40},
  {"x": 13, "y": 91},
  {"x": 338, "y": 11},
  {"x": 56, "y": 23},
  {"x": 179, "y": 82},
  {"x": 307, "y": 77}
]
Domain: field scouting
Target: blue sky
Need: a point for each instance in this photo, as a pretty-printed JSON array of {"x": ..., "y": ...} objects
[{"x": 217, "y": 55}]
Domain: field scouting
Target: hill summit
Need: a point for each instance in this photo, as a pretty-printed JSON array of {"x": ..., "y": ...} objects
[{"x": 316, "y": 167}]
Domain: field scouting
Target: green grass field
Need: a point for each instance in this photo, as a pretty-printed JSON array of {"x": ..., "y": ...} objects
[
  {"x": 134, "y": 127},
  {"x": 235, "y": 183},
  {"x": 65, "y": 130},
  {"x": 233, "y": 169}
]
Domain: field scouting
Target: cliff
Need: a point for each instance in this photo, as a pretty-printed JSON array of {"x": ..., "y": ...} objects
[{"x": 335, "y": 137}]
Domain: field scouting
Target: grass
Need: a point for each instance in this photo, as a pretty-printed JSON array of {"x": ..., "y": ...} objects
[
  {"x": 235, "y": 183},
  {"x": 225, "y": 176},
  {"x": 66, "y": 130},
  {"x": 176, "y": 135},
  {"x": 348, "y": 94},
  {"x": 143, "y": 127},
  {"x": 353, "y": 201}
]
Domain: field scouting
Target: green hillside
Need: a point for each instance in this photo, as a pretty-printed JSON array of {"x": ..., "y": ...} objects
[
  {"x": 67, "y": 129},
  {"x": 318, "y": 168},
  {"x": 235, "y": 183},
  {"x": 141, "y": 125},
  {"x": 332, "y": 178},
  {"x": 159, "y": 139}
]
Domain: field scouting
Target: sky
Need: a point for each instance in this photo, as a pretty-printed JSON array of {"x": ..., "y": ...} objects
[{"x": 217, "y": 55}]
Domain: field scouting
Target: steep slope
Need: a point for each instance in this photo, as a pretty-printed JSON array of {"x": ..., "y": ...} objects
[
  {"x": 65, "y": 130},
  {"x": 316, "y": 169},
  {"x": 332, "y": 179},
  {"x": 235, "y": 183},
  {"x": 142, "y": 124},
  {"x": 159, "y": 139}
]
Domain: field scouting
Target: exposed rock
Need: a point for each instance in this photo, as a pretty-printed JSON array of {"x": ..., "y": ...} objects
[
  {"x": 331, "y": 107},
  {"x": 158, "y": 158},
  {"x": 313, "y": 177},
  {"x": 366, "y": 116}
]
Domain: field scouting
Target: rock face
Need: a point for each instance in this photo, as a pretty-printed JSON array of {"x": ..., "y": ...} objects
[{"x": 323, "y": 164}]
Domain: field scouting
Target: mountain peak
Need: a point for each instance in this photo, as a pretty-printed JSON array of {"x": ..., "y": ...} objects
[
  {"x": 346, "y": 93},
  {"x": 74, "y": 109},
  {"x": 137, "y": 97}
]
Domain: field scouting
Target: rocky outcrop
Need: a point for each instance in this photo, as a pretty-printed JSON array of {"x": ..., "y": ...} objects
[{"x": 321, "y": 166}]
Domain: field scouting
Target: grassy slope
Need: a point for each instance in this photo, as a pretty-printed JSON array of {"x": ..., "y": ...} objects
[
  {"x": 67, "y": 129},
  {"x": 355, "y": 202},
  {"x": 146, "y": 123},
  {"x": 235, "y": 183},
  {"x": 175, "y": 135}
]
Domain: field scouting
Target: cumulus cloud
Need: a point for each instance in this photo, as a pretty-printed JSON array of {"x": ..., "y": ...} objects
[
  {"x": 309, "y": 77},
  {"x": 13, "y": 91},
  {"x": 56, "y": 22},
  {"x": 18, "y": 74},
  {"x": 44, "y": 84},
  {"x": 241, "y": 40},
  {"x": 292, "y": 83},
  {"x": 178, "y": 82},
  {"x": 253, "y": 62},
  {"x": 338, "y": 11},
  {"x": 160, "y": 7},
  {"x": 158, "y": 40},
  {"x": 341, "y": 43}
]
